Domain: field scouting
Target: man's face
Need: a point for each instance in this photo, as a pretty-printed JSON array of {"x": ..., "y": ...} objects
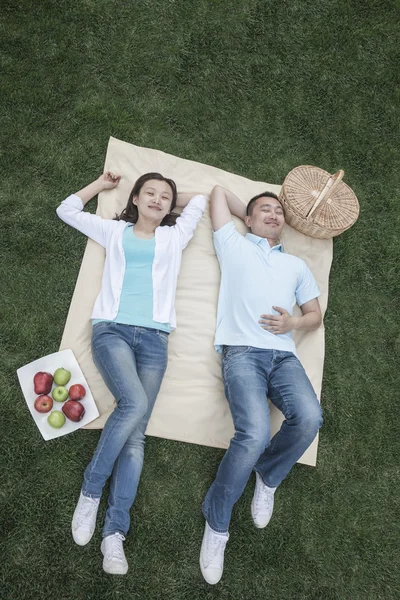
[{"x": 267, "y": 218}]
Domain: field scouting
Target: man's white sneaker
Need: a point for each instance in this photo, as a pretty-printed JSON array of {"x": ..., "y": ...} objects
[
  {"x": 262, "y": 504},
  {"x": 113, "y": 551},
  {"x": 212, "y": 554},
  {"x": 84, "y": 519}
]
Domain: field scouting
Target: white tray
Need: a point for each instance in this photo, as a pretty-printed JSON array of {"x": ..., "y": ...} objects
[{"x": 50, "y": 363}]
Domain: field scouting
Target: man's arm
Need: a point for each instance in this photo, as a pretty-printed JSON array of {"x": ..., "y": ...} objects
[
  {"x": 311, "y": 319},
  {"x": 224, "y": 204}
]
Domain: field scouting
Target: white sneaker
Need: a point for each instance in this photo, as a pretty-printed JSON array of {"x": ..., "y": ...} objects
[
  {"x": 262, "y": 504},
  {"x": 113, "y": 551},
  {"x": 212, "y": 554},
  {"x": 84, "y": 519}
]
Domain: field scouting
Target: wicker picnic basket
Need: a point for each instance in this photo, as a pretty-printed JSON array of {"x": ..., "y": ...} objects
[{"x": 317, "y": 203}]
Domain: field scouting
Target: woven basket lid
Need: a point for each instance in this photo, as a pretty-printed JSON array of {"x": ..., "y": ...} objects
[{"x": 302, "y": 188}]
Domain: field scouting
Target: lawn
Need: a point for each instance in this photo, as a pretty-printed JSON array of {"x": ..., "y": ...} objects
[{"x": 255, "y": 88}]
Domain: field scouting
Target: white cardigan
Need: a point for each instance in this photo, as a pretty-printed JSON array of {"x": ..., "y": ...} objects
[{"x": 170, "y": 241}]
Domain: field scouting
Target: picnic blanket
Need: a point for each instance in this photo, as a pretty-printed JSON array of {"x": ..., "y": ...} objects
[{"x": 191, "y": 406}]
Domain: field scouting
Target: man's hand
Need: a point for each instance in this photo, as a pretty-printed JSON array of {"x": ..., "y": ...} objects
[
  {"x": 283, "y": 323},
  {"x": 276, "y": 324}
]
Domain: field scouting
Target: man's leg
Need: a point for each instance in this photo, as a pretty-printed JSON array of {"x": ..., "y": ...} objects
[
  {"x": 291, "y": 391},
  {"x": 245, "y": 372}
]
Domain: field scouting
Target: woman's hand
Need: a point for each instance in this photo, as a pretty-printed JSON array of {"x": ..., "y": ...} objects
[
  {"x": 106, "y": 181},
  {"x": 109, "y": 180}
]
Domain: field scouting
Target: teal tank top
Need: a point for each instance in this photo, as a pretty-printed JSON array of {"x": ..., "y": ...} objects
[{"x": 136, "y": 302}]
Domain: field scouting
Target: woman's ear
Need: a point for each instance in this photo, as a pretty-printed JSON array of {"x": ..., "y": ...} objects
[{"x": 134, "y": 200}]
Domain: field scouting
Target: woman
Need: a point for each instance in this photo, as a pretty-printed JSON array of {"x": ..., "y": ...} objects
[{"x": 132, "y": 318}]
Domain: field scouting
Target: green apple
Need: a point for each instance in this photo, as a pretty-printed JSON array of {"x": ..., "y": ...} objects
[
  {"x": 60, "y": 393},
  {"x": 56, "y": 419},
  {"x": 62, "y": 376}
]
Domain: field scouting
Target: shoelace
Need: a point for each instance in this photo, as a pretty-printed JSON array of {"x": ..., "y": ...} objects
[
  {"x": 114, "y": 547},
  {"x": 88, "y": 506},
  {"x": 216, "y": 548}
]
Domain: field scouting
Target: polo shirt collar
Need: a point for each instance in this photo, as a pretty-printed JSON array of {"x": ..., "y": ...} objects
[{"x": 260, "y": 241}]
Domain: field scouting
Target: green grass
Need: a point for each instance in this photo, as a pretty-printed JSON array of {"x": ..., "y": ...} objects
[{"x": 251, "y": 87}]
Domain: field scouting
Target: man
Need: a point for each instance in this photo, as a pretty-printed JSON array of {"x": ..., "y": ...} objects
[{"x": 260, "y": 284}]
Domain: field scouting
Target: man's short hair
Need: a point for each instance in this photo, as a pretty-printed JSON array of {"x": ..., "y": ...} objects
[{"x": 250, "y": 205}]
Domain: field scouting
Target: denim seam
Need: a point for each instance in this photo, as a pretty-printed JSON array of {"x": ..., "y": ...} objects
[
  {"x": 272, "y": 445},
  {"x": 114, "y": 425}
]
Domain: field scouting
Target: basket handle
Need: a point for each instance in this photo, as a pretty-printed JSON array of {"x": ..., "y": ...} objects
[{"x": 323, "y": 196}]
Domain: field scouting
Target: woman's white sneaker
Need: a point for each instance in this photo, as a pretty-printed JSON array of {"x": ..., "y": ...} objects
[
  {"x": 84, "y": 519},
  {"x": 212, "y": 554},
  {"x": 114, "y": 557},
  {"x": 262, "y": 504}
]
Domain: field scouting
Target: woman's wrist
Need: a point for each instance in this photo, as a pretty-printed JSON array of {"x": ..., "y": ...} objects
[{"x": 90, "y": 191}]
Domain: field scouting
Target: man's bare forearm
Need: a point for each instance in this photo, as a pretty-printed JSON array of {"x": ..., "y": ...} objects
[
  {"x": 307, "y": 322},
  {"x": 236, "y": 206}
]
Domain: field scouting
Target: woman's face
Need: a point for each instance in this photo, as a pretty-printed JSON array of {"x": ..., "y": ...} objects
[{"x": 154, "y": 200}]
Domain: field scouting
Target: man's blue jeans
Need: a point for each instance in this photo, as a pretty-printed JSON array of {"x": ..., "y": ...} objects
[
  {"x": 250, "y": 374},
  {"x": 132, "y": 361}
]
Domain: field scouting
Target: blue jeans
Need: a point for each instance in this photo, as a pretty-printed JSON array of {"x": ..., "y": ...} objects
[
  {"x": 250, "y": 374},
  {"x": 132, "y": 361}
]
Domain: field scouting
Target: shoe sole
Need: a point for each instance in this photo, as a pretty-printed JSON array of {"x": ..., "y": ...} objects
[
  {"x": 202, "y": 569},
  {"x": 120, "y": 571}
]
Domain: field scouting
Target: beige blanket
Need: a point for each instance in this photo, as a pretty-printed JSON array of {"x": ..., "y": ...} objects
[{"x": 191, "y": 406}]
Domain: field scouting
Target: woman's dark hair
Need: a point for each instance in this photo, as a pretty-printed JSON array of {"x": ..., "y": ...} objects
[
  {"x": 250, "y": 205},
  {"x": 130, "y": 212}
]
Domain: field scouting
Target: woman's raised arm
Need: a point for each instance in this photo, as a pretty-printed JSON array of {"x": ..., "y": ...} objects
[{"x": 106, "y": 181}]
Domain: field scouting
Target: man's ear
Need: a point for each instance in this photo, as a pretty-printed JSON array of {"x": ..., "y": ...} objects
[{"x": 247, "y": 221}]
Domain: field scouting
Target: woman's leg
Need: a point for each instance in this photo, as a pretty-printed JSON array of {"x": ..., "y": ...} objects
[
  {"x": 113, "y": 348},
  {"x": 151, "y": 362}
]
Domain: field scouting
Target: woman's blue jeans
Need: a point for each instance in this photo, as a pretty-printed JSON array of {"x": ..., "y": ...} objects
[
  {"x": 250, "y": 374},
  {"x": 132, "y": 361}
]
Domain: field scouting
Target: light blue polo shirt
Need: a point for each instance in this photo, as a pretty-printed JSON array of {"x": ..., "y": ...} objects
[{"x": 255, "y": 277}]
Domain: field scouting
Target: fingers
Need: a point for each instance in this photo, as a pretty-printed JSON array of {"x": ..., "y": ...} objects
[
  {"x": 272, "y": 323},
  {"x": 269, "y": 325},
  {"x": 112, "y": 176},
  {"x": 271, "y": 317},
  {"x": 273, "y": 330},
  {"x": 279, "y": 309}
]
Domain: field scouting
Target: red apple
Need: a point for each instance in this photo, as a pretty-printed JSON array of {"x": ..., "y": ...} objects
[
  {"x": 42, "y": 382},
  {"x": 44, "y": 404},
  {"x": 73, "y": 410},
  {"x": 77, "y": 392}
]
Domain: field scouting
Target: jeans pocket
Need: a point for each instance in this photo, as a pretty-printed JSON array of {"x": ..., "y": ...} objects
[
  {"x": 234, "y": 350},
  {"x": 163, "y": 335},
  {"x": 101, "y": 324}
]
